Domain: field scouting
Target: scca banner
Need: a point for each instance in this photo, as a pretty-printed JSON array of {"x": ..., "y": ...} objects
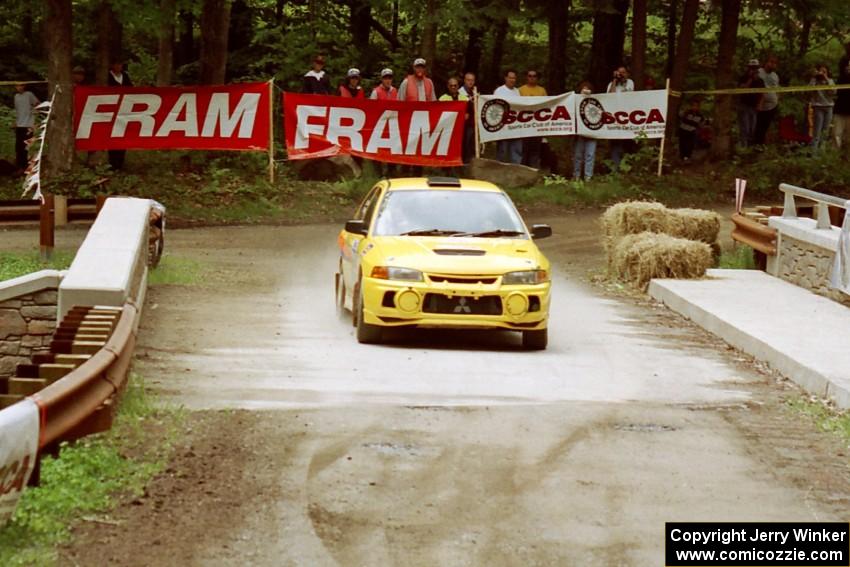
[
  {"x": 19, "y": 431},
  {"x": 413, "y": 133},
  {"x": 225, "y": 117},
  {"x": 525, "y": 117},
  {"x": 622, "y": 115}
]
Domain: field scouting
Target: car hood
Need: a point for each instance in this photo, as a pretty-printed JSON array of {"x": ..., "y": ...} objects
[{"x": 459, "y": 255}]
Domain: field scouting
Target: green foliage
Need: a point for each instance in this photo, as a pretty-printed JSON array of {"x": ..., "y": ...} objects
[
  {"x": 173, "y": 270},
  {"x": 826, "y": 417},
  {"x": 13, "y": 265},
  {"x": 739, "y": 258},
  {"x": 88, "y": 475}
]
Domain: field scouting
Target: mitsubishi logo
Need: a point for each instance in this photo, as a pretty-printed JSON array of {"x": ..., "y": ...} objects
[{"x": 462, "y": 307}]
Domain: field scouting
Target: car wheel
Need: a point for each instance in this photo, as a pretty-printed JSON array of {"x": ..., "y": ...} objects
[
  {"x": 535, "y": 340},
  {"x": 340, "y": 296},
  {"x": 366, "y": 333}
]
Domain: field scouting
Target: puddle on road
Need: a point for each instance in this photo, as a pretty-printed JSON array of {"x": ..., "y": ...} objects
[
  {"x": 644, "y": 427},
  {"x": 399, "y": 450}
]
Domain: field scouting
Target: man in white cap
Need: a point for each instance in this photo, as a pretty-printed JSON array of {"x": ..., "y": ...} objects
[
  {"x": 417, "y": 86},
  {"x": 748, "y": 103},
  {"x": 351, "y": 87},
  {"x": 385, "y": 90}
]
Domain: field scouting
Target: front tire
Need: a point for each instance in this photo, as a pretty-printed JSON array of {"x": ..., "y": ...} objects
[
  {"x": 535, "y": 340},
  {"x": 366, "y": 333},
  {"x": 340, "y": 296}
]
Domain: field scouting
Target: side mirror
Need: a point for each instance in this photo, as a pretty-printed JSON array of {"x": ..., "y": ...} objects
[
  {"x": 357, "y": 227},
  {"x": 540, "y": 231}
]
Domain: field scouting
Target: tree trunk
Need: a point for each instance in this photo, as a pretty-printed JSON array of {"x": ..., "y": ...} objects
[
  {"x": 278, "y": 11},
  {"x": 680, "y": 64},
  {"x": 805, "y": 35},
  {"x": 725, "y": 78},
  {"x": 639, "y": 43},
  {"x": 185, "y": 52},
  {"x": 493, "y": 76},
  {"x": 558, "y": 13},
  {"x": 360, "y": 24},
  {"x": 109, "y": 33},
  {"x": 165, "y": 66},
  {"x": 215, "y": 20},
  {"x": 672, "y": 18},
  {"x": 59, "y": 149},
  {"x": 475, "y": 35},
  {"x": 609, "y": 36},
  {"x": 428, "y": 48},
  {"x": 395, "y": 20}
]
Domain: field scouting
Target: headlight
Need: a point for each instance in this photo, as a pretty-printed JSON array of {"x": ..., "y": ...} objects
[
  {"x": 391, "y": 273},
  {"x": 529, "y": 277}
]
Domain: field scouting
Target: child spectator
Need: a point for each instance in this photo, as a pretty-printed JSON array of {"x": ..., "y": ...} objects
[
  {"x": 690, "y": 121},
  {"x": 584, "y": 150}
]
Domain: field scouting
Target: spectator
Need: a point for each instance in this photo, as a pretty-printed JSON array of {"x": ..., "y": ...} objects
[
  {"x": 509, "y": 151},
  {"x": 842, "y": 104},
  {"x": 531, "y": 147},
  {"x": 351, "y": 87},
  {"x": 822, "y": 104},
  {"x": 25, "y": 102},
  {"x": 417, "y": 86},
  {"x": 767, "y": 107},
  {"x": 584, "y": 150},
  {"x": 690, "y": 122},
  {"x": 468, "y": 87},
  {"x": 620, "y": 83},
  {"x": 748, "y": 103},
  {"x": 386, "y": 90},
  {"x": 78, "y": 75},
  {"x": 117, "y": 77},
  {"x": 453, "y": 87},
  {"x": 316, "y": 80}
]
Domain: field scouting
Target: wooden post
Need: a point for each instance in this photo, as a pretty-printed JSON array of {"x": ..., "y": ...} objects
[
  {"x": 664, "y": 137},
  {"x": 475, "y": 122},
  {"x": 271, "y": 131},
  {"x": 46, "y": 228},
  {"x": 99, "y": 200}
]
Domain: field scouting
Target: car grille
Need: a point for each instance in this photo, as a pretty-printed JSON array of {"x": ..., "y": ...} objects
[
  {"x": 436, "y": 278},
  {"x": 458, "y": 305}
]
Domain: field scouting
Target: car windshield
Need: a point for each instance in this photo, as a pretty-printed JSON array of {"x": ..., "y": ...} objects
[{"x": 441, "y": 212}]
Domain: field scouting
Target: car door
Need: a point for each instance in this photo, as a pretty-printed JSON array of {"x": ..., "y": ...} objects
[{"x": 352, "y": 244}]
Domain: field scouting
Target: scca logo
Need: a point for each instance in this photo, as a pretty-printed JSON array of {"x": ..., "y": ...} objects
[
  {"x": 497, "y": 113},
  {"x": 594, "y": 116}
]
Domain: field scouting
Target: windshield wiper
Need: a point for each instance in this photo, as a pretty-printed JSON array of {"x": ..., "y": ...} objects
[
  {"x": 430, "y": 232},
  {"x": 487, "y": 233}
]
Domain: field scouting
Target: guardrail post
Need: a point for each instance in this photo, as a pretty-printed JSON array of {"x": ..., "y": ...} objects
[
  {"x": 823, "y": 216},
  {"x": 46, "y": 228},
  {"x": 789, "y": 210}
]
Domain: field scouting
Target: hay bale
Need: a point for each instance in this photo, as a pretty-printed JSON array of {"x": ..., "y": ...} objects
[
  {"x": 637, "y": 258},
  {"x": 693, "y": 224},
  {"x": 632, "y": 217}
]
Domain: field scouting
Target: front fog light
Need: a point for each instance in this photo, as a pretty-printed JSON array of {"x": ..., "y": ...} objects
[{"x": 516, "y": 304}]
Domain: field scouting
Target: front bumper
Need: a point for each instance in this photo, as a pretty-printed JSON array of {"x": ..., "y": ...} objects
[{"x": 456, "y": 305}]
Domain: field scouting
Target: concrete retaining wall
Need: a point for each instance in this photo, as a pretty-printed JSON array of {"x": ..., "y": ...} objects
[
  {"x": 805, "y": 255},
  {"x": 28, "y": 307}
]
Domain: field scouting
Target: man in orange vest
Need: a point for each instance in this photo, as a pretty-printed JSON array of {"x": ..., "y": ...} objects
[
  {"x": 386, "y": 90},
  {"x": 351, "y": 88},
  {"x": 417, "y": 86}
]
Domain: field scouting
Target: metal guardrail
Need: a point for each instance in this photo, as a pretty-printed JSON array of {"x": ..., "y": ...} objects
[
  {"x": 80, "y": 402},
  {"x": 754, "y": 234},
  {"x": 823, "y": 201}
]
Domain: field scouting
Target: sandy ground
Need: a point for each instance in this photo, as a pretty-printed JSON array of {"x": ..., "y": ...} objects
[{"x": 306, "y": 449}]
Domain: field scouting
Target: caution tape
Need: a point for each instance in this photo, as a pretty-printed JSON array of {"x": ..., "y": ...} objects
[{"x": 794, "y": 89}]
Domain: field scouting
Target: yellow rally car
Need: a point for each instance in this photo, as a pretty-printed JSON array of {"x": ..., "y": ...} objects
[{"x": 442, "y": 252}]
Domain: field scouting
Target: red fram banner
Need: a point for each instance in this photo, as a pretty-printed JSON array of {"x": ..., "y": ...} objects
[
  {"x": 412, "y": 133},
  {"x": 224, "y": 117}
]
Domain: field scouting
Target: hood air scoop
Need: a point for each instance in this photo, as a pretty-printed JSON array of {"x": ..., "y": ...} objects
[{"x": 459, "y": 252}]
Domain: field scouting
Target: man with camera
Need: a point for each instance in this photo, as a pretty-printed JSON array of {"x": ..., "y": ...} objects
[
  {"x": 620, "y": 83},
  {"x": 822, "y": 103}
]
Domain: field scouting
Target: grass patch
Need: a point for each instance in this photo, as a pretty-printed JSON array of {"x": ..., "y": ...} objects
[
  {"x": 738, "y": 258},
  {"x": 13, "y": 265},
  {"x": 825, "y": 417},
  {"x": 174, "y": 270},
  {"x": 88, "y": 476}
]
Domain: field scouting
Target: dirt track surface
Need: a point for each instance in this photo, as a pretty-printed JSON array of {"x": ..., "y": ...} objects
[{"x": 446, "y": 449}]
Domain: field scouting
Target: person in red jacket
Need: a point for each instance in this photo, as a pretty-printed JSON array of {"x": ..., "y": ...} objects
[
  {"x": 417, "y": 86},
  {"x": 386, "y": 90},
  {"x": 351, "y": 88}
]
